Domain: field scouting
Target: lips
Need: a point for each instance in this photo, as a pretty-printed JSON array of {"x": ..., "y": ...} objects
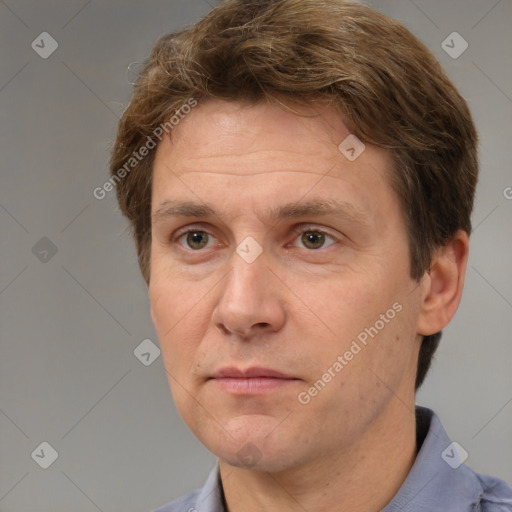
[
  {"x": 251, "y": 381},
  {"x": 249, "y": 373}
]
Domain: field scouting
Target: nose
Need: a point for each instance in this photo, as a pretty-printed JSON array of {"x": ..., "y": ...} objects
[{"x": 250, "y": 301}]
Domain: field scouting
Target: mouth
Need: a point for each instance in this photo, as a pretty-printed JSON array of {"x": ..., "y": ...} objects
[{"x": 252, "y": 381}]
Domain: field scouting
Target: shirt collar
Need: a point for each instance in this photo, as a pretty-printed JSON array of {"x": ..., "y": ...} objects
[
  {"x": 438, "y": 479},
  {"x": 211, "y": 497}
]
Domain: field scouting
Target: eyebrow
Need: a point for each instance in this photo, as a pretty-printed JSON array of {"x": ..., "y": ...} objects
[
  {"x": 296, "y": 209},
  {"x": 170, "y": 208}
]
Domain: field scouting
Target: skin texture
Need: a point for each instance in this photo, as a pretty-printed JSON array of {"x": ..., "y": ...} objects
[{"x": 294, "y": 309}]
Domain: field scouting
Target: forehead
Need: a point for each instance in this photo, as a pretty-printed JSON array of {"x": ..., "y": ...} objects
[
  {"x": 258, "y": 153},
  {"x": 219, "y": 129}
]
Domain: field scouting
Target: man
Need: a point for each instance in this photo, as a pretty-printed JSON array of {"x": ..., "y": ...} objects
[{"x": 299, "y": 176}]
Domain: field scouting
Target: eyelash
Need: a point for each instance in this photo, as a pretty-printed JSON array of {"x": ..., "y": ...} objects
[{"x": 299, "y": 230}]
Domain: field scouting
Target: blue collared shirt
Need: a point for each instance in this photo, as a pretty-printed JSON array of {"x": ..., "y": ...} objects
[{"x": 437, "y": 482}]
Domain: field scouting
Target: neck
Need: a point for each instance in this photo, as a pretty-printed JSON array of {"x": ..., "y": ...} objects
[{"x": 362, "y": 478}]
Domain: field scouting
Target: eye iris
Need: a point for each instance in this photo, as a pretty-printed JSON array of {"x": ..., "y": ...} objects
[
  {"x": 313, "y": 239},
  {"x": 196, "y": 239}
]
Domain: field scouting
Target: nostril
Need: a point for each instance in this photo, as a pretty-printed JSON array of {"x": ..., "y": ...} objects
[{"x": 222, "y": 328}]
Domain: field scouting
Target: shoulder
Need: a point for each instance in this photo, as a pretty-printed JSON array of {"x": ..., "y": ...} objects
[
  {"x": 184, "y": 503},
  {"x": 496, "y": 495},
  {"x": 439, "y": 479}
]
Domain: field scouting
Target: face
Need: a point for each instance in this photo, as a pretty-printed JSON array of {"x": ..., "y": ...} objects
[{"x": 280, "y": 287}]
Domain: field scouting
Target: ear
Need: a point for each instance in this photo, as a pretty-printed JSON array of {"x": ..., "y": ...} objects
[{"x": 442, "y": 285}]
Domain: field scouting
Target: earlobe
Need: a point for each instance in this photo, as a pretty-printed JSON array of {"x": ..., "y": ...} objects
[{"x": 443, "y": 284}]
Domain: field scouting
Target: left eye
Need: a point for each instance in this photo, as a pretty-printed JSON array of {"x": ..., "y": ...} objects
[
  {"x": 315, "y": 239},
  {"x": 196, "y": 239}
]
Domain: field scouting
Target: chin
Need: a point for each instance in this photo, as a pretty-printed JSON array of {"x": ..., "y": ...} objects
[
  {"x": 252, "y": 458},
  {"x": 254, "y": 449}
]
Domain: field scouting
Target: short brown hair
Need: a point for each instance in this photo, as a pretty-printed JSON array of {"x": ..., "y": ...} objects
[{"x": 389, "y": 88}]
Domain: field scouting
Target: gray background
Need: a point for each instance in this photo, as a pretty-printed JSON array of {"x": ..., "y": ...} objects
[{"x": 71, "y": 321}]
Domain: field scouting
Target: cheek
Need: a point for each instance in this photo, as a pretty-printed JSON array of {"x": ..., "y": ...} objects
[
  {"x": 337, "y": 306},
  {"x": 359, "y": 314},
  {"x": 178, "y": 318},
  {"x": 172, "y": 296},
  {"x": 179, "y": 329},
  {"x": 163, "y": 304},
  {"x": 388, "y": 356}
]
